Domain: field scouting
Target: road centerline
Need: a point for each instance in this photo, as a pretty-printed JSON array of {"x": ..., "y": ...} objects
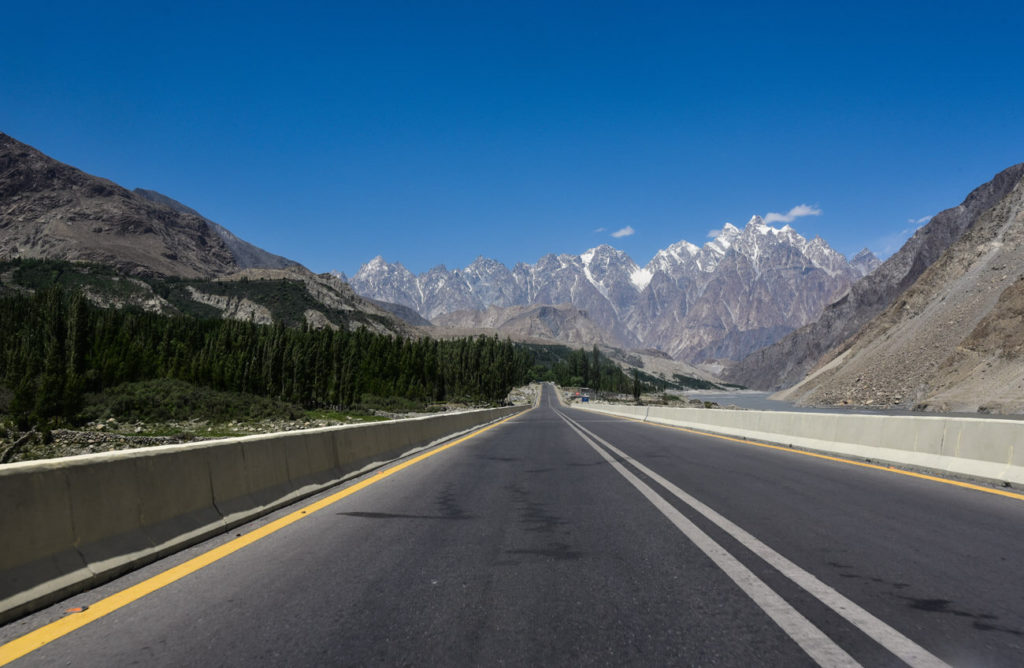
[
  {"x": 888, "y": 637},
  {"x": 822, "y": 649}
]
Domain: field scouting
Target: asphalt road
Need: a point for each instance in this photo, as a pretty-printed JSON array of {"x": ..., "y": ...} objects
[{"x": 561, "y": 537}]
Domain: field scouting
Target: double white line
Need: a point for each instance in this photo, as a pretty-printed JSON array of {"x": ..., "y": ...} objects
[{"x": 809, "y": 637}]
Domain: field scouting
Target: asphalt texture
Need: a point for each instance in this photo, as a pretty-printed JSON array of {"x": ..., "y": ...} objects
[{"x": 528, "y": 545}]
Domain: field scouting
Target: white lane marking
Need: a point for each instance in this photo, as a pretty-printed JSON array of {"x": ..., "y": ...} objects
[
  {"x": 809, "y": 637},
  {"x": 886, "y": 636}
]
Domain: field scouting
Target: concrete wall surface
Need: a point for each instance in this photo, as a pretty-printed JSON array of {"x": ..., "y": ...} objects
[
  {"x": 72, "y": 523},
  {"x": 978, "y": 447}
]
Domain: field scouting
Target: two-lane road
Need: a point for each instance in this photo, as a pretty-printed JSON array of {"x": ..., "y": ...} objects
[{"x": 564, "y": 537}]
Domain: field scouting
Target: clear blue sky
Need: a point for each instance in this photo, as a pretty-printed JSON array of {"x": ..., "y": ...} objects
[{"x": 431, "y": 132}]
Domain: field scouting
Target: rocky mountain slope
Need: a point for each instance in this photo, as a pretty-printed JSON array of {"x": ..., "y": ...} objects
[
  {"x": 742, "y": 290},
  {"x": 563, "y": 323},
  {"x": 245, "y": 254},
  {"x": 265, "y": 296},
  {"x": 52, "y": 210},
  {"x": 952, "y": 341},
  {"x": 788, "y": 360}
]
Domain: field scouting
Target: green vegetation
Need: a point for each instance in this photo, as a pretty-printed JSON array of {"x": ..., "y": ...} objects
[
  {"x": 58, "y": 349},
  {"x": 165, "y": 400},
  {"x": 691, "y": 383},
  {"x": 578, "y": 368},
  {"x": 286, "y": 299},
  {"x": 33, "y": 275}
]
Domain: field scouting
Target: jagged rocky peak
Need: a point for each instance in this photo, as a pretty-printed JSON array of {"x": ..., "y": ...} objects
[
  {"x": 829, "y": 259},
  {"x": 493, "y": 283},
  {"x": 758, "y": 230},
  {"x": 387, "y": 282},
  {"x": 865, "y": 262},
  {"x": 607, "y": 265},
  {"x": 379, "y": 266},
  {"x": 724, "y": 239},
  {"x": 757, "y": 224},
  {"x": 676, "y": 257},
  {"x": 485, "y": 265}
]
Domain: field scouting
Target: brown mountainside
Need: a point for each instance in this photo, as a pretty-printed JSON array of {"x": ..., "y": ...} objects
[
  {"x": 563, "y": 324},
  {"x": 954, "y": 340},
  {"x": 55, "y": 211}
]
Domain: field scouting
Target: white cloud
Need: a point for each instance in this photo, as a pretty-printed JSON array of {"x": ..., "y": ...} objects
[
  {"x": 919, "y": 221},
  {"x": 798, "y": 211},
  {"x": 626, "y": 231},
  {"x": 599, "y": 230},
  {"x": 713, "y": 234}
]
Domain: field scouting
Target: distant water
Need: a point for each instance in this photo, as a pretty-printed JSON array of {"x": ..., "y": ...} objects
[{"x": 759, "y": 401}]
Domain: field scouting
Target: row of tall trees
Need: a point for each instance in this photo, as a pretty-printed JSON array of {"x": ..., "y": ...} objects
[
  {"x": 57, "y": 346},
  {"x": 593, "y": 370}
]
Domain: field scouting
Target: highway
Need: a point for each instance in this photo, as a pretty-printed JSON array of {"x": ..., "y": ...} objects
[{"x": 561, "y": 537}]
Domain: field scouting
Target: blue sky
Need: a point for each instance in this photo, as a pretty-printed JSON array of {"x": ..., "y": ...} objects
[{"x": 431, "y": 132}]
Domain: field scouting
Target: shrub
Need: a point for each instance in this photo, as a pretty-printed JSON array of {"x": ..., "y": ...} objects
[{"x": 163, "y": 400}]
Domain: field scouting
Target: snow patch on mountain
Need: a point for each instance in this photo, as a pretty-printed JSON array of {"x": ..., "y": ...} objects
[{"x": 641, "y": 278}]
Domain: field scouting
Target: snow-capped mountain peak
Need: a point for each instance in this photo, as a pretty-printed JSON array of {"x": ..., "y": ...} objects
[
  {"x": 608, "y": 269},
  {"x": 679, "y": 254},
  {"x": 865, "y": 262},
  {"x": 724, "y": 239}
]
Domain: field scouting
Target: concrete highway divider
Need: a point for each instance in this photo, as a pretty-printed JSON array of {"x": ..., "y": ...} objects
[
  {"x": 978, "y": 447},
  {"x": 73, "y": 523}
]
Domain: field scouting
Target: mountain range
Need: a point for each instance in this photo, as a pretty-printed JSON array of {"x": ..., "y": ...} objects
[{"x": 742, "y": 290}]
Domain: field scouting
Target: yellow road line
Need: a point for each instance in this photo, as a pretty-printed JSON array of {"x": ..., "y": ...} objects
[
  {"x": 890, "y": 469},
  {"x": 33, "y": 640}
]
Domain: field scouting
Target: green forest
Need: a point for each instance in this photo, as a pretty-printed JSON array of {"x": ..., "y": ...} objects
[
  {"x": 58, "y": 347},
  {"x": 578, "y": 368}
]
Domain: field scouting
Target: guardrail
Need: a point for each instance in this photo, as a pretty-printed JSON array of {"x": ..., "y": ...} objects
[
  {"x": 977, "y": 447},
  {"x": 73, "y": 523}
]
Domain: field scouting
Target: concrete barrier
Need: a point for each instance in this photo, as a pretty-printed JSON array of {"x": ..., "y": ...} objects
[
  {"x": 977, "y": 447},
  {"x": 70, "y": 524}
]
